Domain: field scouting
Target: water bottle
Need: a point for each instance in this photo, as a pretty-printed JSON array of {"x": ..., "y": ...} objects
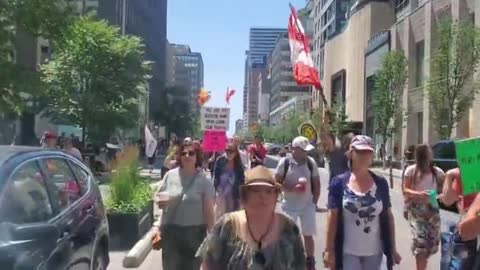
[{"x": 433, "y": 198}]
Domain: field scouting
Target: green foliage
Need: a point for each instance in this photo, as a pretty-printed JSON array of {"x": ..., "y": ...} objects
[
  {"x": 338, "y": 117},
  {"x": 387, "y": 93},
  {"x": 129, "y": 192},
  {"x": 96, "y": 78},
  {"x": 451, "y": 88},
  {"x": 174, "y": 111},
  {"x": 46, "y": 18}
]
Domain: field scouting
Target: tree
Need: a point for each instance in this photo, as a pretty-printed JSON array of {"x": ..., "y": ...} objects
[
  {"x": 338, "y": 117},
  {"x": 174, "y": 111},
  {"x": 451, "y": 88},
  {"x": 96, "y": 78},
  {"x": 46, "y": 18},
  {"x": 387, "y": 93}
]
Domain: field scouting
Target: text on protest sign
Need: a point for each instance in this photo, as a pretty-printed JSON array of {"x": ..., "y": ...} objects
[
  {"x": 468, "y": 159},
  {"x": 215, "y": 118},
  {"x": 214, "y": 140}
]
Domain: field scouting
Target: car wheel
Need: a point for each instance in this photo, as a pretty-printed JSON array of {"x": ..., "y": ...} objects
[{"x": 99, "y": 262}]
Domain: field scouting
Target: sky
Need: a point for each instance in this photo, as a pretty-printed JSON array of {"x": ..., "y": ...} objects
[{"x": 219, "y": 30}]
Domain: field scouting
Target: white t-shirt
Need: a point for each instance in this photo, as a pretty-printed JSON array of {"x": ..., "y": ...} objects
[
  {"x": 425, "y": 181},
  {"x": 361, "y": 222},
  {"x": 74, "y": 152},
  {"x": 297, "y": 200}
]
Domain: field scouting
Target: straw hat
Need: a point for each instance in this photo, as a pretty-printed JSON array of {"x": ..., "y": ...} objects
[{"x": 260, "y": 176}]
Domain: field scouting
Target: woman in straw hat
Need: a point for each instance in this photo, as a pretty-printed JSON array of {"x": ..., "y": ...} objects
[{"x": 256, "y": 237}]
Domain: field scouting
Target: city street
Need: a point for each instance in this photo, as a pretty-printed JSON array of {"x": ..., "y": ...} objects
[{"x": 153, "y": 261}]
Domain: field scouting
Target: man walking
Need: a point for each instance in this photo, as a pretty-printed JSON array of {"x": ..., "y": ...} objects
[{"x": 301, "y": 186}]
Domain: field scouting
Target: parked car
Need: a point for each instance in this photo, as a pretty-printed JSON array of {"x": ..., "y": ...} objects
[
  {"x": 51, "y": 212},
  {"x": 444, "y": 155},
  {"x": 272, "y": 149}
]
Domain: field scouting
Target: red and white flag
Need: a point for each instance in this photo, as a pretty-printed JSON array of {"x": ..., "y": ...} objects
[
  {"x": 304, "y": 71},
  {"x": 230, "y": 93}
]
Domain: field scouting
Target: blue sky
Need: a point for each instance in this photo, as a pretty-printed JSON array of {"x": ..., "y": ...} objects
[{"x": 219, "y": 30}]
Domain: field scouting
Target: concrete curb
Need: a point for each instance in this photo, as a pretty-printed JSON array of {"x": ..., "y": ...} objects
[{"x": 139, "y": 252}]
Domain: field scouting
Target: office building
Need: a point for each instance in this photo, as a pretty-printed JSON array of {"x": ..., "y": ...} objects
[
  {"x": 329, "y": 19},
  {"x": 147, "y": 20},
  {"x": 264, "y": 87},
  {"x": 261, "y": 42},
  {"x": 294, "y": 104},
  {"x": 238, "y": 127},
  {"x": 188, "y": 72},
  {"x": 414, "y": 34},
  {"x": 283, "y": 84}
]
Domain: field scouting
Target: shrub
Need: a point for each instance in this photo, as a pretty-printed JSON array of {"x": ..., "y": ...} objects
[{"x": 129, "y": 192}]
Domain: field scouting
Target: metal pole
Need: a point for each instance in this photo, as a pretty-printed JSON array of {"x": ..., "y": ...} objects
[{"x": 124, "y": 16}]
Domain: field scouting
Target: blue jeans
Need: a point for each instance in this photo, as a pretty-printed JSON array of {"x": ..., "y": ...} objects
[{"x": 352, "y": 262}]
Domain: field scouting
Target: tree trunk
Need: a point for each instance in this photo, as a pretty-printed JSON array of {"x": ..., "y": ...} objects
[
  {"x": 390, "y": 157},
  {"x": 26, "y": 134},
  {"x": 84, "y": 135}
]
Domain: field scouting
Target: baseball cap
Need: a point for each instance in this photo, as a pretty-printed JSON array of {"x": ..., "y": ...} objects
[
  {"x": 260, "y": 176},
  {"x": 50, "y": 135},
  {"x": 302, "y": 143},
  {"x": 362, "y": 143}
]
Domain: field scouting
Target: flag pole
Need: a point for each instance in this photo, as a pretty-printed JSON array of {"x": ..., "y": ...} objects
[{"x": 322, "y": 94}]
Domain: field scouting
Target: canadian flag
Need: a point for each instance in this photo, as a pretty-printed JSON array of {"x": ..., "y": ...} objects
[
  {"x": 230, "y": 93},
  {"x": 304, "y": 71}
]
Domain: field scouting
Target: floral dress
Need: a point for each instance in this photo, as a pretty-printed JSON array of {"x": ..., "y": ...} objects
[
  {"x": 223, "y": 249},
  {"x": 224, "y": 201}
]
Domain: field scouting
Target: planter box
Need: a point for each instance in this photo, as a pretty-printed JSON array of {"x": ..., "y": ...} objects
[{"x": 127, "y": 229}]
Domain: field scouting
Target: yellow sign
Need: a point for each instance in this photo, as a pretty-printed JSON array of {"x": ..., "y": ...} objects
[{"x": 308, "y": 130}]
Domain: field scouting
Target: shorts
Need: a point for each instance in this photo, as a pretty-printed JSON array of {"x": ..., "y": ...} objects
[{"x": 307, "y": 218}]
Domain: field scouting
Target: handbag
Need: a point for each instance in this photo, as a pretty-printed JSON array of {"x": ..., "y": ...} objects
[{"x": 157, "y": 237}]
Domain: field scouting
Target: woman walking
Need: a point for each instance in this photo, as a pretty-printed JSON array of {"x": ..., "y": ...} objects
[
  {"x": 360, "y": 224},
  {"x": 256, "y": 237},
  {"x": 228, "y": 175},
  {"x": 420, "y": 181},
  {"x": 187, "y": 196}
]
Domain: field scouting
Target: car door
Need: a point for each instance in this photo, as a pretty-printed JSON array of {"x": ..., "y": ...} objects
[
  {"x": 66, "y": 196},
  {"x": 24, "y": 202}
]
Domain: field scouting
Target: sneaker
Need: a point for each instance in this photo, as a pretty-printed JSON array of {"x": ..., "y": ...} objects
[{"x": 310, "y": 263}]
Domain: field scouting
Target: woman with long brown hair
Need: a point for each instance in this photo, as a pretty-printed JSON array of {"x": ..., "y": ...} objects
[
  {"x": 187, "y": 198},
  {"x": 421, "y": 180},
  {"x": 228, "y": 176}
]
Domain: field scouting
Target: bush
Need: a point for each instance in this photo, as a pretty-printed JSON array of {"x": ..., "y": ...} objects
[{"x": 129, "y": 192}]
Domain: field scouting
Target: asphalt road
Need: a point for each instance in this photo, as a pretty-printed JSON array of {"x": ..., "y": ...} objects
[{"x": 403, "y": 235}]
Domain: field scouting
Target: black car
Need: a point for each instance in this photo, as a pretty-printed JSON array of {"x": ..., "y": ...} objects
[
  {"x": 51, "y": 212},
  {"x": 444, "y": 155}
]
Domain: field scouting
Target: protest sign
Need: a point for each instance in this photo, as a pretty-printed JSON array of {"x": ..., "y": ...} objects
[
  {"x": 214, "y": 140},
  {"x": 214, "y": 118},
  {"x": 468, "y": 159},
  {"x": 308, "y": 130}
]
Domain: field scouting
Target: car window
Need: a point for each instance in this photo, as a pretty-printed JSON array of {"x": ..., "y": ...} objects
[
  {"x": 82, "y": 177},
  {"x": 25, "y": 197},
  {"x": 60, "y": 178}
]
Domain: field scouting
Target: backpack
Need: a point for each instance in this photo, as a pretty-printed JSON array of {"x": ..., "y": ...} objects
[{"x": 310, "y": 168}]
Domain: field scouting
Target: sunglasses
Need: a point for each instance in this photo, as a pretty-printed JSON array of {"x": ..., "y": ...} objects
[{"x": 188, "y": 153}]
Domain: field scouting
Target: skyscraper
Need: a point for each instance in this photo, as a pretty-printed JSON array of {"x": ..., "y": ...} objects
[
  {"x": 148, "y": 20},
  {"x": 188, "y": 71},
  {"x": 261, "y": 43}
]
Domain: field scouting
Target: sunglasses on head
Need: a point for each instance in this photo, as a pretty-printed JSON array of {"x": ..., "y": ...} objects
[{"x": 189, "y": 153}]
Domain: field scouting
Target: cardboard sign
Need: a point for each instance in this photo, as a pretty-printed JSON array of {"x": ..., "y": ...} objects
[
  {"x": 468, "y": 159},
  {"x": 214, "y": 140},
  {"x": 215, "y": 118}
]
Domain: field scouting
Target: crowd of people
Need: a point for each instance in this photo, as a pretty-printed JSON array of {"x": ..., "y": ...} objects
[{"x": 249, "y": 218}]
